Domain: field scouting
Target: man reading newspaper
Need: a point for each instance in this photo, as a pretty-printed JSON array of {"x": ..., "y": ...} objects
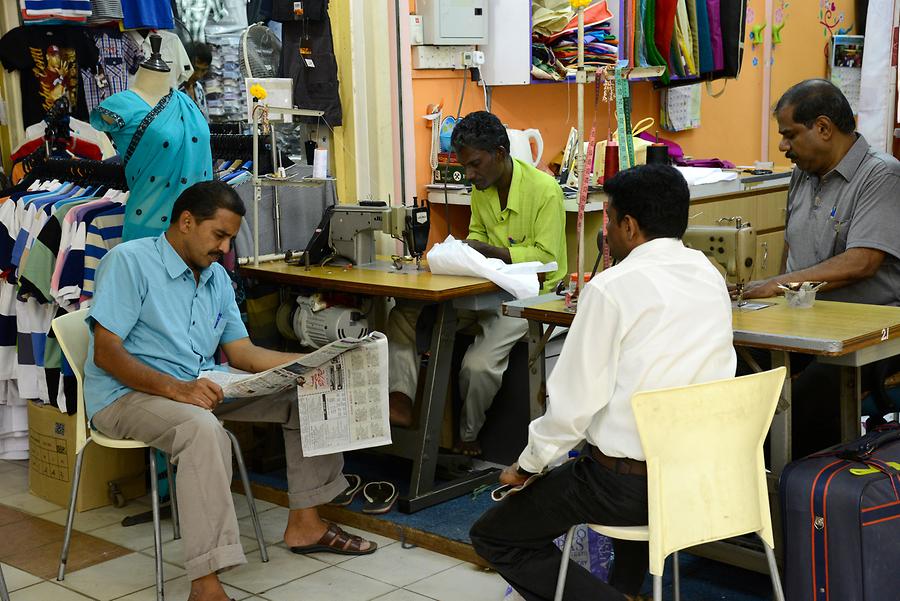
[{"x": 162, "y": 308}]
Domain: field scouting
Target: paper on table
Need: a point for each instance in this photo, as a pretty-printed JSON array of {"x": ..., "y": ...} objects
[{"x": 697, "y": 176}]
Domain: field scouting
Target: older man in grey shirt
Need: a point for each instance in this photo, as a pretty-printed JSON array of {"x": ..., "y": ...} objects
[
  {"x": 843, "y": 227},
  {"x": 843, "y": 213}
]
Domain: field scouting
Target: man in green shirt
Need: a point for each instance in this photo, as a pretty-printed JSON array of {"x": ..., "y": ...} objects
[{"x": 517, "y": 216}]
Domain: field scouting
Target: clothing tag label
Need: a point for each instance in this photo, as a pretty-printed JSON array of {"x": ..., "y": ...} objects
[
  {"x": 305, "y": 51},
  {"x": 885, "y": 333},
  {"x": 310, "y": 63},
  {"x": 298, "y": 9}
]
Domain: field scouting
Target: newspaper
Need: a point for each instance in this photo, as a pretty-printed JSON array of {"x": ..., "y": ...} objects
[{"x": 342, "y": 393}]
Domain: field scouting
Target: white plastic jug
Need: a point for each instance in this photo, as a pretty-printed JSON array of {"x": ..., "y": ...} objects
[{"x": 520, "y": 145}]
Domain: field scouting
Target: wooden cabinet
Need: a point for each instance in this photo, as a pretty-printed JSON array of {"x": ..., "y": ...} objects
[{"x": 769, "y": 253}]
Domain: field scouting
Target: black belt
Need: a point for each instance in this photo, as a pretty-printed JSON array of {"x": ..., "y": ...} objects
[{"x": 620, "y": 465}]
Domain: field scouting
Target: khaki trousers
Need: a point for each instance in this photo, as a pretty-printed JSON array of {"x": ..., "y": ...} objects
[
  {"x": 482, "y": 367},
  {"x": 198, "y": 445}
]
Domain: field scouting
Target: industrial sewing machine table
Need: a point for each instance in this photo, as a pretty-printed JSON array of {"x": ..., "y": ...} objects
[
  {"x": 848, "y": 335},
  {"x": 419, "y": 444}
]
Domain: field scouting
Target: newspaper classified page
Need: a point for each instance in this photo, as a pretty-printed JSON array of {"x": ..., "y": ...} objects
[{"x": 343, "y": 404}]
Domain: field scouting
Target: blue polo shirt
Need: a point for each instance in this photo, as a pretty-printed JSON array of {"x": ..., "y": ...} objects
[{"x": 146, "y": 295}]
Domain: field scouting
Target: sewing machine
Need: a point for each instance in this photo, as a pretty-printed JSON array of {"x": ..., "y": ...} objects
[
  {"x": 731, "y": 246},
  {"x": 352, "y": 229}
]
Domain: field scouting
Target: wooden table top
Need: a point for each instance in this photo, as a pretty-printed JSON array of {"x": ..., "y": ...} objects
[
  {"x": 375, "y": 281},
  {"x": 827, "y": 328}
]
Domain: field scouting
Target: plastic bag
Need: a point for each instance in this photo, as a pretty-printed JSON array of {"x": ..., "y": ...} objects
[{"x": 590, "y": 550}]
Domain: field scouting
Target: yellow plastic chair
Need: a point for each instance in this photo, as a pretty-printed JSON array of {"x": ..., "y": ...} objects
[
  {"x": 706, "y": 480},
  {"x": 72, "y": 334}
]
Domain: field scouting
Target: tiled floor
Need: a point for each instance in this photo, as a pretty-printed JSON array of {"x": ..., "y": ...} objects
[{"x": 129, "y": 576}]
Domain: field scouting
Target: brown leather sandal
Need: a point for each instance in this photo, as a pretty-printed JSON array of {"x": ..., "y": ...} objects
[{"x": 335, "y": 540}]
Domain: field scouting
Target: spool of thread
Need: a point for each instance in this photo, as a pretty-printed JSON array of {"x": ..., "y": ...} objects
[
  {"x": 610, "y": 161},
  {"x": 320, "y": 163},
  {"x": 657, "y": 154}
]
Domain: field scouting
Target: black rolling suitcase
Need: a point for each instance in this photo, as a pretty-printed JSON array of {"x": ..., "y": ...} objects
[{"x": 841, "y": 514}]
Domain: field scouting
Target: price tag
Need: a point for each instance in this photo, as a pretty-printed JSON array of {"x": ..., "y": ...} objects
[
  {"x": 298, "y": 9},
  {"x": 310, "y": 63}
]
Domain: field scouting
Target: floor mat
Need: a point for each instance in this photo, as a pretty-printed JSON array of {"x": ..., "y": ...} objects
[{"x": 33, "y": 545}]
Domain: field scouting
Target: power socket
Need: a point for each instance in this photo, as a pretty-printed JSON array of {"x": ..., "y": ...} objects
[
  {"x": 472, "y": 58},
  {"x": 440, "y": 57}
]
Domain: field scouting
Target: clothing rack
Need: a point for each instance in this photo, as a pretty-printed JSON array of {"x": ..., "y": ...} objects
[
  {"x": 79, "y": 171},
  {"x": 239, "y": 147}
]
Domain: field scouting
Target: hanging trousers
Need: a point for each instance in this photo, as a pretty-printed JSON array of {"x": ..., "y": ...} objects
[
  {"x": 516, "y": 535},
  {"x": 198, "y": 445}
]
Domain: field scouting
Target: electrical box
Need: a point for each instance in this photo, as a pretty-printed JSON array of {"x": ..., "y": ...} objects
[
  {"x": 454, "y": 22},
  {"x": 507, "y": 54},
  {"x": 416, "y": 31},
  {"x": 441, "y": 57}
]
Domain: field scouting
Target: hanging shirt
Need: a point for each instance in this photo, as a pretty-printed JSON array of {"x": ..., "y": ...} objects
[
  {"x": 48, "y": 60},
  {"x": 119, "y": 57},
  {"x": 164, "y": 148},
  {"x": 172, "y": 51},
  {"x": 70, "y": 11},
  {"x": 199, "y": 97},
  {"x": 147, "y": 14},
  {"x": 660, "y": 318}
]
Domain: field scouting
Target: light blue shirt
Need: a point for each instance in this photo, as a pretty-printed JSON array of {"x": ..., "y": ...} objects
[{"x": 146, "y": 295}]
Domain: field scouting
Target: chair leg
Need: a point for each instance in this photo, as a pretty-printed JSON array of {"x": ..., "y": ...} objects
[
  {"x": 157, "y": 534},
  {"x": 657, "y": 588},
  {"x": 564, "y": 565},
  {"x": 773, "y": 570},
  {"x": 173, "y": 498},
  {"x": 676, "y": 576},
  {"x": 70, "y": 519},
  {"x": 245, "y": 479},
  {"x": 4, "y": 594}
]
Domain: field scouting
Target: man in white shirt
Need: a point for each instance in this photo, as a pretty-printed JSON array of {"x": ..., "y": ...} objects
[{"x": 661, "y": 317}]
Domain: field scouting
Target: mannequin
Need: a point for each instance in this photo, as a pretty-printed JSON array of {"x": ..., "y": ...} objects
[{"x": 163, "y": 140}]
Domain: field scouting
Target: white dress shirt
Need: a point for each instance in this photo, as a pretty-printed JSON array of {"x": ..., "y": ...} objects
[
  {"x": 173, "y": 53},
  {"x": 660, "y": 318}
]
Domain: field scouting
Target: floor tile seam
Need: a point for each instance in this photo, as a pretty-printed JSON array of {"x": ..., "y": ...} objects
[
  {"x": 435, "y": 574},
  {"x": 325, "y": 567}
]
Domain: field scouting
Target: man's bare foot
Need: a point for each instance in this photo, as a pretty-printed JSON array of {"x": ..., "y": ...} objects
[
  {"x": 468, "y": 448},
  {"x": 400, "y": 409},
  {"x": 207, "y": 588},
  {"x": 305, "y": 528}
]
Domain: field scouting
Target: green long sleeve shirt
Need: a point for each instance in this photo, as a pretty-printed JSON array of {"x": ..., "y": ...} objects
[{"x": 533, "y": 224}]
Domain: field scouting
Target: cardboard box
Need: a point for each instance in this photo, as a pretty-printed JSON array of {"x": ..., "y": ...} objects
[{"x": 51, "y": 437}]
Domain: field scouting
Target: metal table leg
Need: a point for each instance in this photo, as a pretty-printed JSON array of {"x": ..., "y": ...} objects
[
  {"x": 537, "y": 368},
  {"x": 422, "y": 444},
  {"x": 851, "y": 403},
  {"x": 780, "y": 432}
]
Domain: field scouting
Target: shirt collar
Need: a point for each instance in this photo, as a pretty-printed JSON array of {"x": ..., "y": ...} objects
[
  {"x": 513, "y": 200},
  {"x": 848, "y": 165},
  {"x": 657, "y": 245},
  {"x": 175, "y": 265}
]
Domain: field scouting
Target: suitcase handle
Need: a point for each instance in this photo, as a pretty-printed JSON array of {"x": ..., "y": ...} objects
[{"x": 871, "y": 442}]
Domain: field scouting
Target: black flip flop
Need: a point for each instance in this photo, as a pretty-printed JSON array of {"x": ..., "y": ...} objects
[
  {"x": 380, "y": 497},
  {"x": 354, "y": 484}
]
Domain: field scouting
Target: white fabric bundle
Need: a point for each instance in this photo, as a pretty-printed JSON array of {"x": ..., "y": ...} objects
[{"x": 454, "y": 257}]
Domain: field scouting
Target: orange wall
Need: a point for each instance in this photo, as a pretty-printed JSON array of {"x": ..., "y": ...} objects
[{"x": 730, "y": 124}]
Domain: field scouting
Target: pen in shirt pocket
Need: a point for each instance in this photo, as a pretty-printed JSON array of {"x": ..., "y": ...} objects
[
  {"x": 218, "y": 319},
  {"x": 513, "y": 241}
]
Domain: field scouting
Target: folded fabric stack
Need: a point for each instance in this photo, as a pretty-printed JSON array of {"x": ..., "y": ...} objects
[
  {"x": 51, "y": 12},
  {"x": 601, "y": 45}
]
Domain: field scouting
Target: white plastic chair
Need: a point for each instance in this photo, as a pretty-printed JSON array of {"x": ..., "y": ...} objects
[
  {"x": 72, "y": 334},
  {"x": 706, "y": 480}
]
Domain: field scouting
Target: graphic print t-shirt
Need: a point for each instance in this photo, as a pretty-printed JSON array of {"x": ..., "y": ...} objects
[{"x": 49, "y": 60}]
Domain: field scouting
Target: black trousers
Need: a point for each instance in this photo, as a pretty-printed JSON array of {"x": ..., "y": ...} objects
[{"x": 516, "y": 536}]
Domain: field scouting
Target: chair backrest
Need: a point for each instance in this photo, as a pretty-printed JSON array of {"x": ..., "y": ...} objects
[
  {"x": 73, "y": 336},
  {"x": 706, "y": 479}
]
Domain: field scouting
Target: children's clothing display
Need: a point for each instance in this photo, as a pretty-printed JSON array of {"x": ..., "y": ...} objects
[{"x": 164, "y": 148}]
